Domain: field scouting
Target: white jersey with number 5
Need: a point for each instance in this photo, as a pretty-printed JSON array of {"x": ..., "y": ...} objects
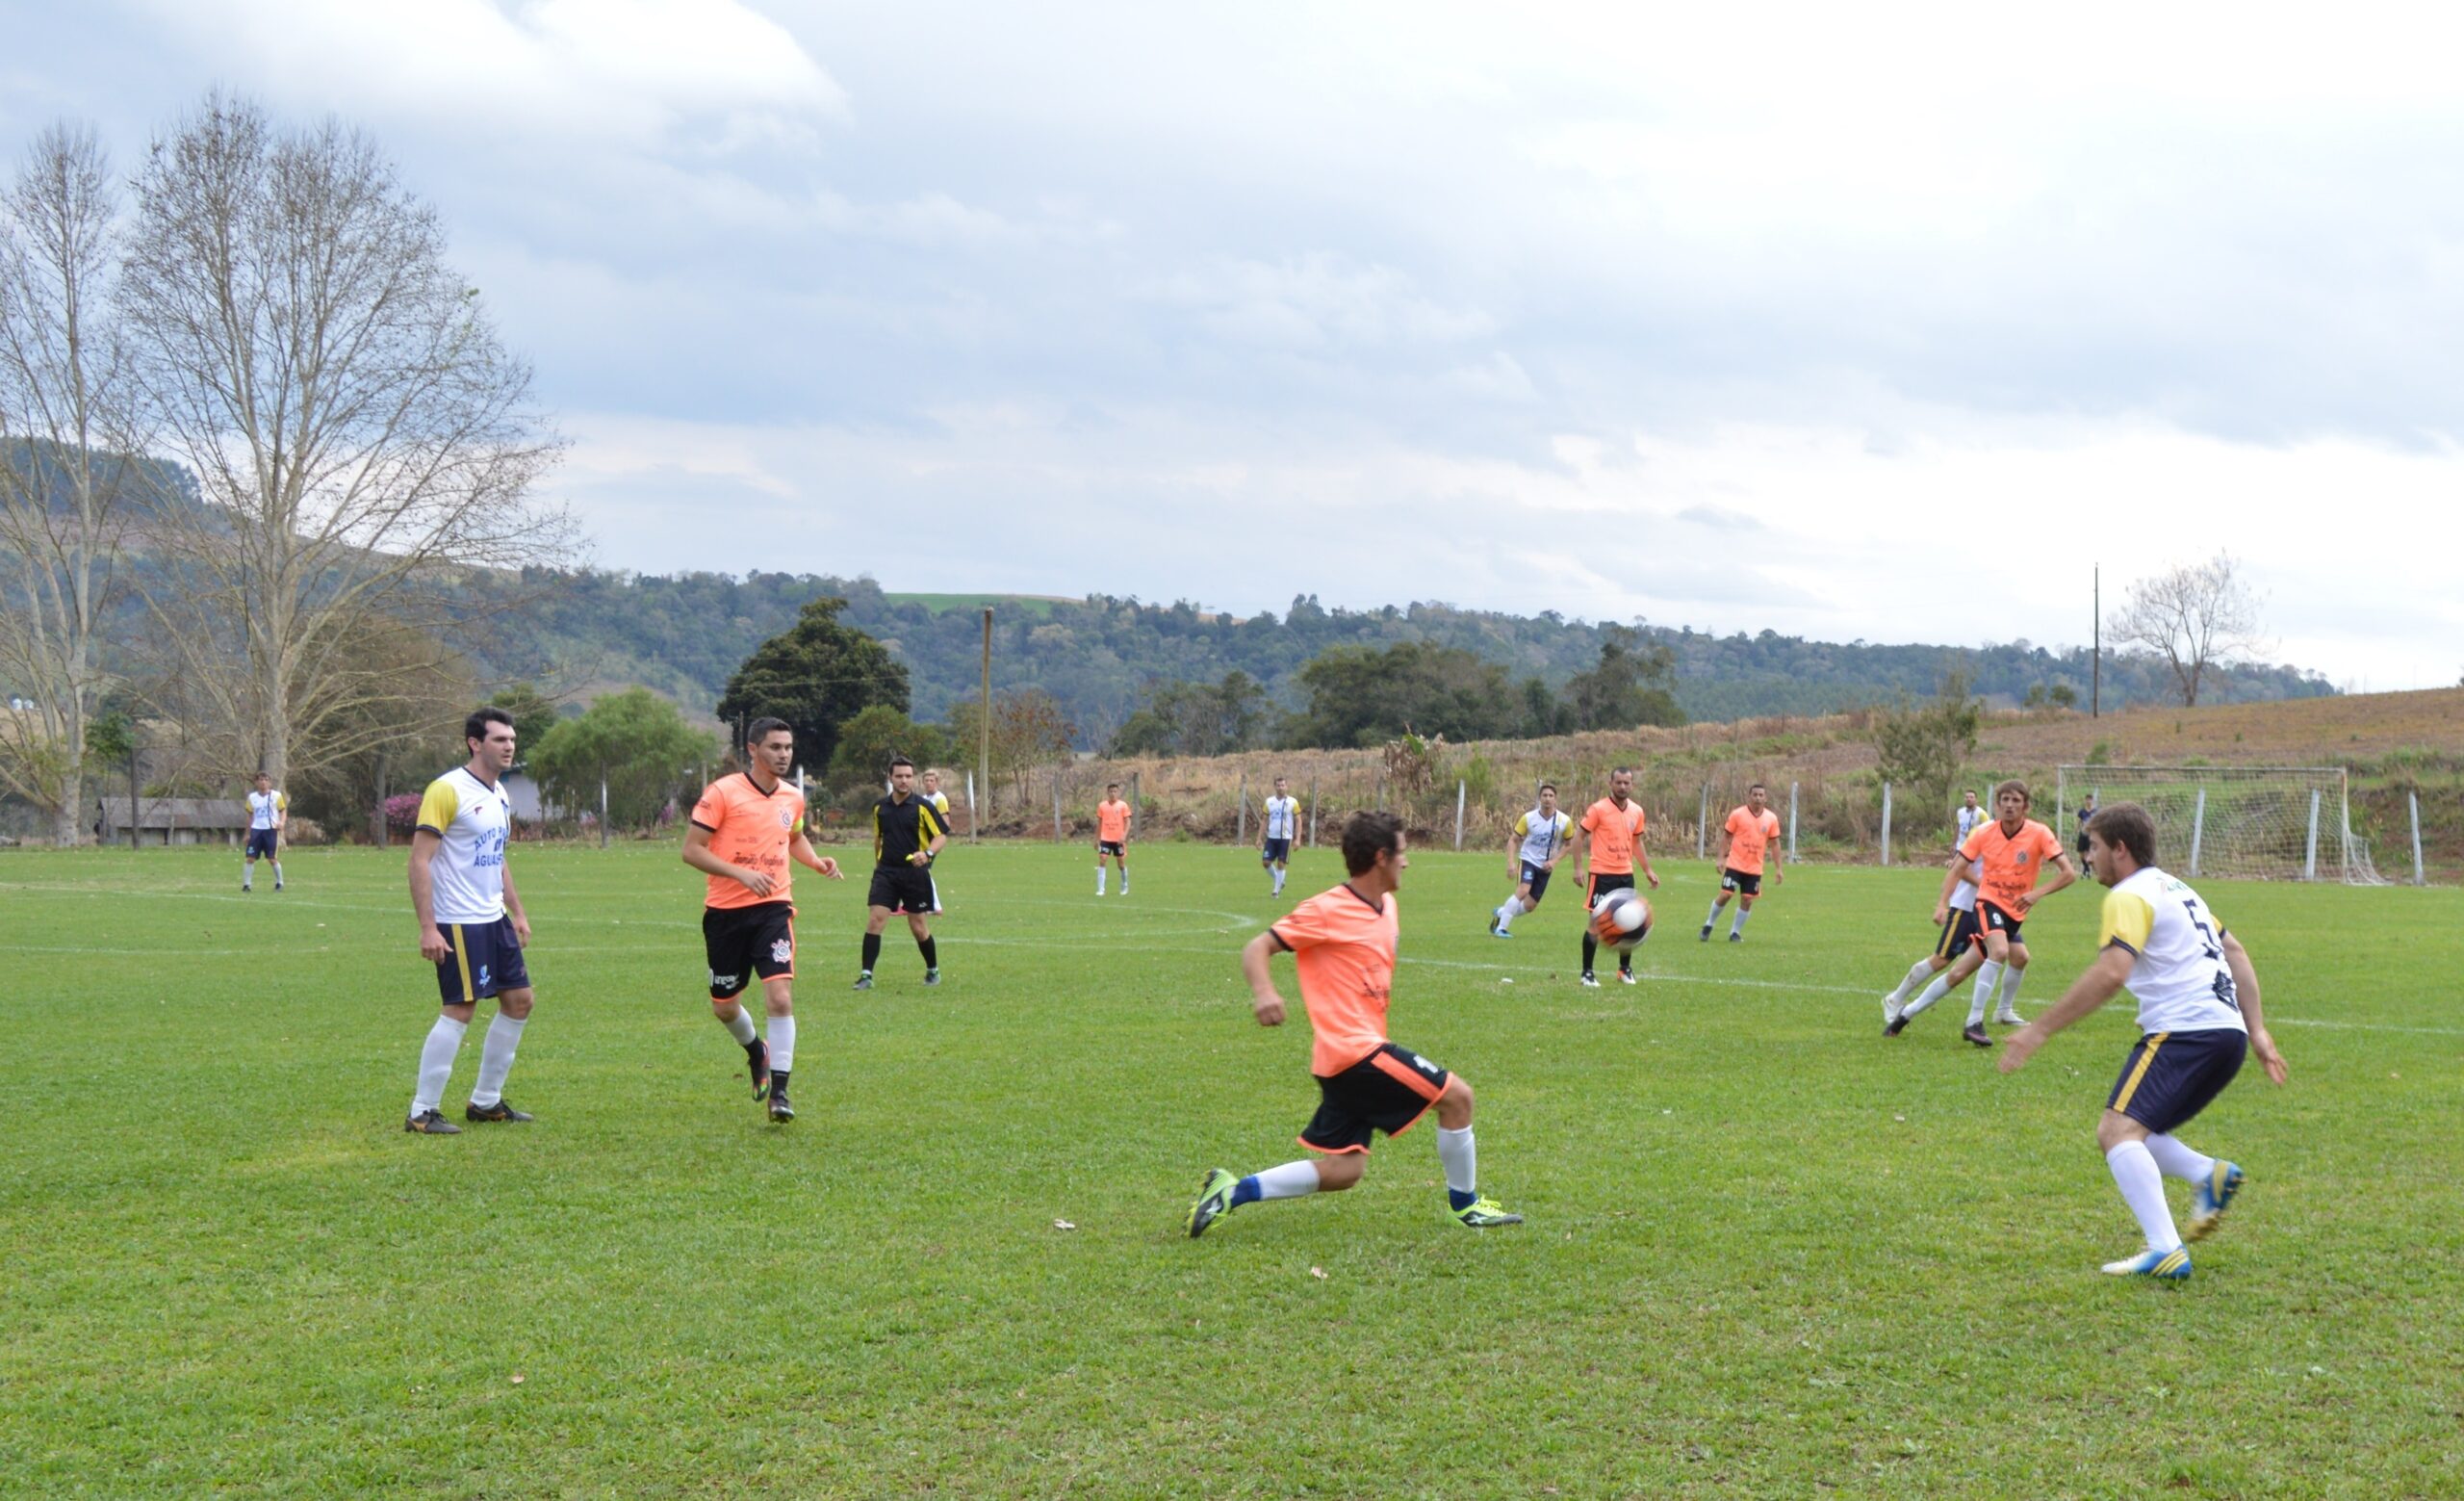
[{"x": 2177, "y": 971}]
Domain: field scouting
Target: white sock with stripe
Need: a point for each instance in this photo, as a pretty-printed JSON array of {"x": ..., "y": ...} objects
[
  {"x": 2142, "y": 1188},
  {"x": 496, "y": 1059},
  {"x": 1461, "y": 1160},
  {"x": 2173, "y": 1159},
  {"x": 436, "y": 1063}
]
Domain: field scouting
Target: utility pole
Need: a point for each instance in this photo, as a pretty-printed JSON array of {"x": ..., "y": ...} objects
[
  {"x": 984, "y": 733},
  {"x": 2096, "y": 635}
]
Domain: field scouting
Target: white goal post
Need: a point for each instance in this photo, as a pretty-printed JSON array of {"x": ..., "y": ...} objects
[{"x": 2254, "y": 823}]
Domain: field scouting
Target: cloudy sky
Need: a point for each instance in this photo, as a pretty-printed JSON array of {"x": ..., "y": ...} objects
[{"x": 1849, "y": 322}]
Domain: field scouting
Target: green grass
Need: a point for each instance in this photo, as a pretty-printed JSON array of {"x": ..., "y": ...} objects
[{"x": 1769, "y": 1254}]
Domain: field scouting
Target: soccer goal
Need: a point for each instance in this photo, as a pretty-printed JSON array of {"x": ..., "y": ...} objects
[{"x": 2257, "y": 824}]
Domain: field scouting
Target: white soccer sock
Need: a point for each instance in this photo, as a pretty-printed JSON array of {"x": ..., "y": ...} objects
[
  {"x": 1460, "y": 1160},
  {"x": 2010, "y": 979},
  {"x": 496, "y": 1060},
  {"x": 1099, "y": 880},
  {"x": 740, "y": 1027},
  {"x": 1931, "y": 994},
  {"x": 1288, "y": 1182},
  {"x": 436, "y": 1063},
  {"x": 1505, "y": 914},
  {"x": 1986, "y": 975},
  {"x": 2174, "y": 1160},
  {"x": 1278, "y": 880},
  {"x": 1743, "y": 912},
  {"x": 247, "y": 874},
  {"x": 2142, "y": 1188},
  {"x": 1712, "y": 916},
  {"x": 1915, "y": 976},
  {"x": 277, "y": 872},
  {"x": 782, "y": 1043}
]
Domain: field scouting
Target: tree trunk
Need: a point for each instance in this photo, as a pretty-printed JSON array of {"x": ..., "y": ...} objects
[{"x": 68, "y": 819}]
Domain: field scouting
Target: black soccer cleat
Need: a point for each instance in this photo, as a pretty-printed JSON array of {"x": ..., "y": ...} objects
[
  {"x": 781, "y": 1111},
  {"x": 863, "y": 981},
  {"x": 1975, "y": 1032},
  {"x": 1706, "y": 935},
  {"x": 1735, "y": 936},
  {"x": 757, "y": 1060},
  {"x": 431, "y": 1123},
  {"x": 501, "y": 1112},
  {"x": 1895, "y": 1025},
  {"x": 933, "y": 976}
]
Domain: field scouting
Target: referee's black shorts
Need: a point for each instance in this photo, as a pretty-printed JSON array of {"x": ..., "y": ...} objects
[{"x": 900, "y": 889}]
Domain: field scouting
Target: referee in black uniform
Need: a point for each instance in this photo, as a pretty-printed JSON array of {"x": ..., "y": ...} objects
[{"x": 907, "y": 832}]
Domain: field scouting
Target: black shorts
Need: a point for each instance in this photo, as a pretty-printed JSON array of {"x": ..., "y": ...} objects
[
  {"x": 2170, "y": 1076},
  {"x": 261, "y": 843},
  {"x": 1105, "y": 847},
  {"x": 1957, "y": 934},
  {"x": 486, "y": 958},
  {"x": 1742, "y": 884},
  {"x": 746, "y": 943},
  {"x": 1991, "y": 919},
  {"x": 1276, "y": 852},
  {"x": 1536, "y": 877},
  {"x": 1386, "y": 1091},
  {"x": 900, "y": 889},
  {"x": 1602, "y": 884}
]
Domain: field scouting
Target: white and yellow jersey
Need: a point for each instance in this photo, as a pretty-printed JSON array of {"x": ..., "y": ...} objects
[
  {"x": 1543, "y": 836},
  {"x": 940, "y": 802},
  {"x": 1283, "y": 818},
  {"x": 265, "y": 808},
  {"x": 472, "y": 819},
  {"x": 2177, "y": 973}
]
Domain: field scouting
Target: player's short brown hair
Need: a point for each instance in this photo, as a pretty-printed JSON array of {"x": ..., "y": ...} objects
[
  {"x": 1368, "y": 836},
  {"x": 2014, "y": 784},
  {"x": 2126, "y": 826}
]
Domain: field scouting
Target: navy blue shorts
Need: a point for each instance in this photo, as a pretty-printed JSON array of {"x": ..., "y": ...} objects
[
  {"x": 261, "y": 843},
  {"x": 1386, "y": 1091},
  {"x": 486, "y": 959},
  {"x": 2170, "y": 1076},
  {"x": 1957, "y": 934},
  {"x": 1536, "y": 877},
  {"x": 1276, "y": 852}
]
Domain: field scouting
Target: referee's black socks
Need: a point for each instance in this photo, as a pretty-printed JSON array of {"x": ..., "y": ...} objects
[
  {"x": 931, "y": 952},
  {"x": 872, "y": 950}
]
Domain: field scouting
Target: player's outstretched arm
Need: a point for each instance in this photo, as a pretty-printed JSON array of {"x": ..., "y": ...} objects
[
  {"x": 2102, "y": 981},
  {"x": 2245, "y": 993},
  {"x": 432, "y": 945},
  {"x": 1265, "y": 1000},
  {"x": 812, "y": 860}
]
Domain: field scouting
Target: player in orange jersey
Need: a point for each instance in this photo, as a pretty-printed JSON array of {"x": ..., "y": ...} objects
[
  {"x": 746, "y": 826},
  {"x": 2009, "y": 854},
  {"x": 1343, "y": 943},
  {"x": 1615, "y": 824},
  {"x": 1112, "y": 836},
  {"x": 1752, "y": 831}
]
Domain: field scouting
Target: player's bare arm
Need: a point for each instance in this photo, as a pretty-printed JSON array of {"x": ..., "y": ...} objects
[
  {"x": 700, "y": 857},
  {"x": 2063, "y": 873},
  {"x": 432, "y": 945},
  {"x": 1514, "y": 856},
  {"x": 2246, "y": 994},
  {"x": 1952, "y": 874},
  {"x": 2102, "y": 981},
  {"x": 513, "y": 907},
  {"x": 1257, "y": 957},
  {"x": 1643, "y": 857},
  {"x": 812, "y": 860}
]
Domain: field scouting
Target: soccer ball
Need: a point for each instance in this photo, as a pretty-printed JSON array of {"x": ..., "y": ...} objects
[{"x": 1622, "y": 919}]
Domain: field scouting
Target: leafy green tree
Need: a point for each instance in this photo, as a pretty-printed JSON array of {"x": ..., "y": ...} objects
[
  {"x": 1196, "y": 718},
  {"x": 1627, "y": 687},
  {"x": 637, "y": 742},
  {"x": 534, "y": 714},
  {"x": 816, "y": 674},
  {"x": 867, "y": 742},
  {"x": 1919, "y": 749},
  {"x": 1360, "y": 696}
]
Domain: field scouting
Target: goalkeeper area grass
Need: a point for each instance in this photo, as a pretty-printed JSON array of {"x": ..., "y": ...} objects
[{"x": 1768, "y": 1252}]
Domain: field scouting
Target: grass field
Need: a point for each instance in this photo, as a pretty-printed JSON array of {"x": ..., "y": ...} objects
[{"x": 1768, "y": 1252}]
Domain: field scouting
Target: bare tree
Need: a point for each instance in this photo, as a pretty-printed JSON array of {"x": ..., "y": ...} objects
[
  {"x": 359, "y": 436},
  {"x": 2200, "y": 617},
  {"x": 63, "y": 443}
]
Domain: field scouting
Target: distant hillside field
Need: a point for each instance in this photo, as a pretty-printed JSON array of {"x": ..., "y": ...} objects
[{"x": 685, "y": 633}]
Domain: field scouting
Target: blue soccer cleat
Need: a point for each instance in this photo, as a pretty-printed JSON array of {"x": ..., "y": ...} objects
[
  {"x": 2171, "y": 1266},
  {"x": 2213, "y": 1197}
]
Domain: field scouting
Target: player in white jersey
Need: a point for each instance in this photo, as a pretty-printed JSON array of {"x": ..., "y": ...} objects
[
  {"x": 1533, "y": 847},
  {"x": 2199, "y": 1013},
  {"x": 1971, "y": 814},
  {"x": 1958, "y": 953},
  {"x": 940, "y": 802},
  {"x": 1282, "y": 827},
  {"x": 269, "y": 810},
  {"x": 472, "y": 925}
]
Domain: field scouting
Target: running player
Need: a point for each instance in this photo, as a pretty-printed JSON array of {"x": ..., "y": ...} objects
[
  {"x": 1615, "y": 824},
  {"x": 940, "y": 802},
  {"x": 746, "y": 826},
  {"x": 1537, "y": 841},
  {"x": 1342, "y": 943},
  {"x": 1112, "y": 836},
  {"x": 471, "y": 925},
  {"x": 1283, "y": 826},
  {"x": 2009, "y": 854},
  {"x": 907, "y": 832},
  {"x": 268, "y": 812},
  {"x": 2198, "y": 1015},
  {"x": 1958, "y": 953},
  {"x": 1752, "y": 831}
]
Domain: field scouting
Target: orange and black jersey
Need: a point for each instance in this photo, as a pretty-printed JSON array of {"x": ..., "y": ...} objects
[{"x": 901, "y": 829}]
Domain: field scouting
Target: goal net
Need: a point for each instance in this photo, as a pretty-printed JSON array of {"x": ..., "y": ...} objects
[{"x": 2257, "y": 824}]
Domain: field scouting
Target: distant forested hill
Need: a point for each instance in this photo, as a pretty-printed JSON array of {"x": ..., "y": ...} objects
[{"x": 683, "y": 633}]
